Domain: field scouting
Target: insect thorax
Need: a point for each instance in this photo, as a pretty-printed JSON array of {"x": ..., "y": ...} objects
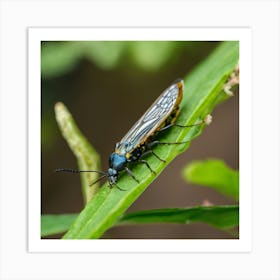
[
  {"x": 137, "y": 152},
  {"x": 117, "y": 161}
]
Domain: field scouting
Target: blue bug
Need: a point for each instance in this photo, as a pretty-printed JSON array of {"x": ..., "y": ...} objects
[{"x": 142, "y": 137}]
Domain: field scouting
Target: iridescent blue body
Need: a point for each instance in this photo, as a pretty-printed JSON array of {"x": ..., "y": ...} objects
[{"x": 117, "y": 163}]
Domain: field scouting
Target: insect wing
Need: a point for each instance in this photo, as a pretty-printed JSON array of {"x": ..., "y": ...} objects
[{"x": 153, "y": 118}]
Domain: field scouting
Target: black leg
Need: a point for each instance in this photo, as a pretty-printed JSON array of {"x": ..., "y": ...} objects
[
  {"x": 179, "y": 125},
  {"x": 131, "y": 174},
  {"x": 112, "y": 185},
  {"x": 153, "y": 153},
  {"x": 120, "y": 188},
  {"x": 147, "y": 164},
  {"x": 169, "y": 143},
  {"x": 156, "y": 142}
]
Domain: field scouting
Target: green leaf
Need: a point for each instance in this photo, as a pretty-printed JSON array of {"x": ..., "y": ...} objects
[
  {"x": 55, "y": 224},
  {"x": 223, "y": 217},
  {"x": 87, "y": 157},
  {"x": 214, "y": 174},
  {"x": 202, "y": 90}
]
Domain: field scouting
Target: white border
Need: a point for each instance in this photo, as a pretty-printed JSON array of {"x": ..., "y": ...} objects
[
  {"x": 243, "y": 35},
  {"x": 262, "y": 16}
]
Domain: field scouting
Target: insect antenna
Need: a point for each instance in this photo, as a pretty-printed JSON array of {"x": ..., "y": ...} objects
[
  {"x": 104, "y": 174},
  {"x": 78, "y": 171}
]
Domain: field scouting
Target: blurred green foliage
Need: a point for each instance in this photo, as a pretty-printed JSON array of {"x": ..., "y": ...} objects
[{"x": 58, "y": 58}]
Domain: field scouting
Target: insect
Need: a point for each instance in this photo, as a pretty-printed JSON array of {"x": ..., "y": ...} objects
[{"x": 142, "y": 137}]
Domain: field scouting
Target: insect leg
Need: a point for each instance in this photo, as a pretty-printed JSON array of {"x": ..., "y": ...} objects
[
  {"x": 168, "y": 143},
  {"x": 207, "y": 120},
  {"x": 153, "y": 153},
  {"x": 131, "y": 174},
  {"x": 97, "y": 180},
  {"x": 179, "y": 125},
  {"x": 147, "y": 164},
  {"x": 118, "y": 187}
]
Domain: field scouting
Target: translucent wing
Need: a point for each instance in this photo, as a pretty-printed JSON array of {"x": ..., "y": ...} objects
[{"x": 153, "y": 118}]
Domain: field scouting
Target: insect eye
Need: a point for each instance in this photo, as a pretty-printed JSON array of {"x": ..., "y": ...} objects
[{"x": 112, "y": 172}]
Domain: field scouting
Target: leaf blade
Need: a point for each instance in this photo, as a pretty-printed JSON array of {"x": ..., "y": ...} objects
[
  {"x": 223, "y": 217},
  {"x": 87, "y": 157},
  {"x": 214, "y": 174}
]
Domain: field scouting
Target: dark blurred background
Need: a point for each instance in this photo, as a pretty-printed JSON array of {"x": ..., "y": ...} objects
[{"x": 107, "y": 86}]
